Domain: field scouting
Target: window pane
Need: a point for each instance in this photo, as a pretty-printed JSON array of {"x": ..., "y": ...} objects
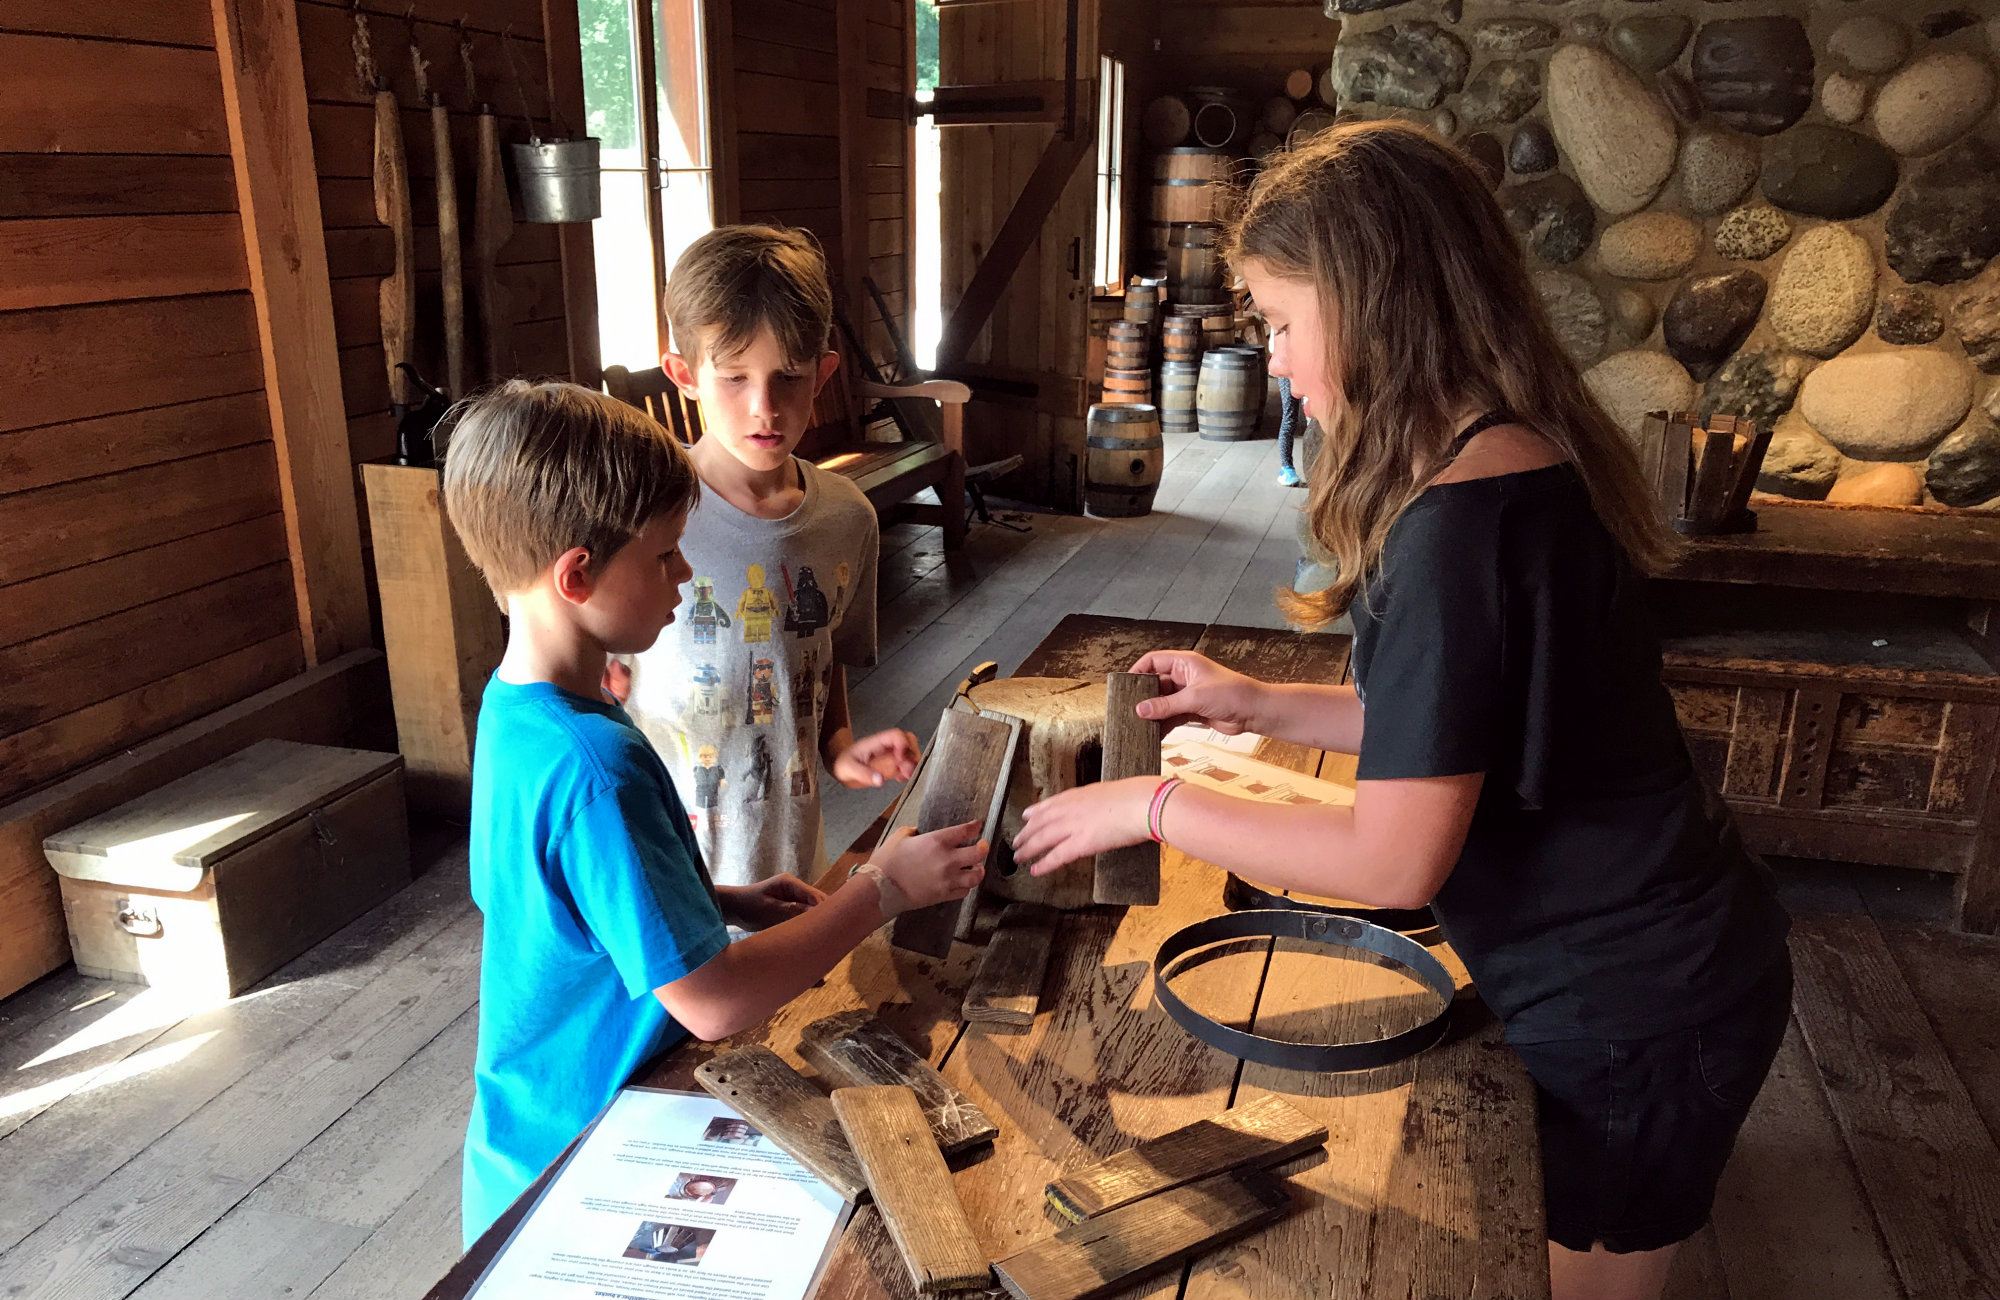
[
  {"x": 627, "y": 321},
  {"x": 683, "y": 85},
  {"x": 610, "y": 84},
  {"x": 685, "y": 212}
]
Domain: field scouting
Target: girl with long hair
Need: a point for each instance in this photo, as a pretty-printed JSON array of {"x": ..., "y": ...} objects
[{"x": 1520, "y": 765}]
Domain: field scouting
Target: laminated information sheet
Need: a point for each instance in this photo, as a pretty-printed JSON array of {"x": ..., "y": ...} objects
[
  {"x": 1201, "y": 756},
  {"x": 670, "y": 1195}
]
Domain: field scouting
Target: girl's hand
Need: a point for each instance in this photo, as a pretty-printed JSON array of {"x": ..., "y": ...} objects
[
  {"x": 755, "y": 907},
  {"x": 1195, "y": 688},
  {"x": 885, "y": 756},
  {"x": 1084, "y": 821},
  {"x": 617, "y": 684}
]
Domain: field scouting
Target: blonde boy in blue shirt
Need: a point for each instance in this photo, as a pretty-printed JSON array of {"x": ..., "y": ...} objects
[{"x": 605, "y": 940}]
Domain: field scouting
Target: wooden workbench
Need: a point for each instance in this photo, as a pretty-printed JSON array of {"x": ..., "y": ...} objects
[{"x": 1430, "y": 1183}]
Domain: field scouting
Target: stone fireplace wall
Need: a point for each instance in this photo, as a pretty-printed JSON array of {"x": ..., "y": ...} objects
[{"x": 1785, "y": 211}]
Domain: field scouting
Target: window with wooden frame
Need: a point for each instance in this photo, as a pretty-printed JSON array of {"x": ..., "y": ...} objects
[
  {"x": 1109, "y": 263},
  {"x": 645, "y": 91}
]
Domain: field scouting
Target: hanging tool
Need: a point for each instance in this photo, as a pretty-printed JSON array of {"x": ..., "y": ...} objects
[
  {"x": 492, "y": 227},
  {"x": 451, "y": 261},
  {"x": 397, "y": 299}
]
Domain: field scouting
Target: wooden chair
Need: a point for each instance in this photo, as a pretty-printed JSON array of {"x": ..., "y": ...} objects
[{"x": 888, "y": 473}]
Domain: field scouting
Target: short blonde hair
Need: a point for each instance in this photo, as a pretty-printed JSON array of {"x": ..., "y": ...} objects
[
  {"x": 533, "y": 469},
  {"x": 735, "y": 280}
]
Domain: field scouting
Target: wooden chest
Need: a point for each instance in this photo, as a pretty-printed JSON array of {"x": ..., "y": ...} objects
[
  {"x": 211, "y": 882},
  {"x": 1853, "y": 747}
]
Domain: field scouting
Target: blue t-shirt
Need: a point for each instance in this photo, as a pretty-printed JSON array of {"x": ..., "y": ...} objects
[{"x": 594, "y": 893}]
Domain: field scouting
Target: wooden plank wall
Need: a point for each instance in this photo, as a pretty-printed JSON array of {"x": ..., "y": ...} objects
[
  {"x": 1038, "y": 329},
  {"x": 144, "y": 579},
  {"x": 817, "y": 140},
  {"x": 509, "y": 71},
  {"x": 1247, "y": 45}
]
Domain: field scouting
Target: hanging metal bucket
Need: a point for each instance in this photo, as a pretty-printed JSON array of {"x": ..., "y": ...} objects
[{"x": 559, "y": 180}]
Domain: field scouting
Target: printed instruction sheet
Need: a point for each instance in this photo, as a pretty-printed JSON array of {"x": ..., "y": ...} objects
[
  {"x": 669, "y": 1196},
  {"x": 1203, "y": 756}
]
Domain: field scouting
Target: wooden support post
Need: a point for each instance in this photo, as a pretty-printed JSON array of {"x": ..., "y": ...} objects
[
  {"x": 1130, "y": 874},
  {"x": 1263, "y": 1132},
  {"x": 440, "y": 628},
  {"x": 854, "y": 1049},
  {"x": 964, "y": 779},
  {"x": 788, "y": 1110},
  {"x": 264, "y": 98},
  {"x": 1006, "y": 991},
  {"x": 850, "y": 39},
  {"x": 1102, "y": 1256},
  {"x": 912, "y": 1187}
]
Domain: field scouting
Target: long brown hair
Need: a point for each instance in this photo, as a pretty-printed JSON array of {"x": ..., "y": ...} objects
[{"x": 1428, "y": 311}]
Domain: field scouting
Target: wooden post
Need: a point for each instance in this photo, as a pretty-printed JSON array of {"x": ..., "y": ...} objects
[
  {"x": 440, "y": 628},
  {"x": 264, "y": 98},
  {"x": 850, "y": 42}
]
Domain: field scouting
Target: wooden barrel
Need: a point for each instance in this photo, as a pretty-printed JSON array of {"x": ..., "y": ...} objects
[
  {"x": 1265, "y": 143},
  {"x": 1127, "y": 345},
  {"x": 1123, "y": 454},
  {"x": 1307, "y": 125},
  {"x": 1218, "y": 326},
  {"x": 1180, "y": 338},
  {"x": 1178, "y": 381},
  {"x": 1189, "y": 184},
  {"x": 1105, "y": 308},
  {"x": 1165, "y": 121},
  {"x": 1127, "y": 387},
  {"x": 1142, "y": 304},
  {"x": 1229, "y": 395},
  {"x": 1221, "y": 123},
  {"x": 1194, "y": 263}
]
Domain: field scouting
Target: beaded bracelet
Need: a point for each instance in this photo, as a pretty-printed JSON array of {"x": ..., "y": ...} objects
[{"x": 1167, "y": 787}]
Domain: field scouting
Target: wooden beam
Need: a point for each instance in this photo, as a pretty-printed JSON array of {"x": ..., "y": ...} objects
[
  {"x": 998, "y": 104},
  {"x": 719, "y": 58},
  {"x": 1021, "y": 228},
  {"x": 264, "y": 98}
]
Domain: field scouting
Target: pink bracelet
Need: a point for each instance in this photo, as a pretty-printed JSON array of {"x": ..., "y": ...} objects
[{"x": 1167, "y": 787}]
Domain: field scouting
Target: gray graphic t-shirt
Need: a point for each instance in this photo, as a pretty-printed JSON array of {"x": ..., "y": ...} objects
[{"x": 733, "y": 692}]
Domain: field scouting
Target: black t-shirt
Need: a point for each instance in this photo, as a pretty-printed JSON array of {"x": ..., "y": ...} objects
[{"x": 1601, "y": 891}]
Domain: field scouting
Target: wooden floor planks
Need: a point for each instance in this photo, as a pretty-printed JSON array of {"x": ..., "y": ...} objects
[{"x": 304, "y": 1140}]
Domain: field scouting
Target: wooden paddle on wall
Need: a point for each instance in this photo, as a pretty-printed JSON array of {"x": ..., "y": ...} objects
[
  {"x": 392, "y": 209},
  {"x": 451, "y": 257},
  {"x": 492, "y": 227}
]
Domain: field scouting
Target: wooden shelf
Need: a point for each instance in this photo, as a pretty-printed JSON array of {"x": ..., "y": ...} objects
[{"x": 1908, "y": 551}]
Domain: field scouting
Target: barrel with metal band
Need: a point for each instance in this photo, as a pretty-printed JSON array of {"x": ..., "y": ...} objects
[
  {"x": 1176, "y": 396},
  {"x": 1123, "y": 455},
  {"x": 1229, "y": 397}
]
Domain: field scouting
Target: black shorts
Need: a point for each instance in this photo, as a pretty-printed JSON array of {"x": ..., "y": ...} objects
[{"x": 1635, "y": 1132}]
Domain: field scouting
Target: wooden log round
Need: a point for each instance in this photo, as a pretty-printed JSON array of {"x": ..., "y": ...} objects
[
  {"x": 1127, "y": 344},
  {"x": 1123, "y": 455},
  {"x": 1299, "y": 82},
  {"x": 1307, "y": 125},
  {"x": 1126, "y": 387},
  {"x": 1178, "y": 381},
  {"x": 1229, "y": 396},
  {"x": 1180, "y": 338},
  {"x": 1265, "y": 143},
  {"x": 1328, "y": 94},
  {"x": 1062, "y": 734},
  {"x": 1194, "y": 263},
  {"x": 1277, "y": 115},
  {"x": 1166, "y": 121}
]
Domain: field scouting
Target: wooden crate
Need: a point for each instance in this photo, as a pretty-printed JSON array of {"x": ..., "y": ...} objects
[
  {"x": 209, "y": 883},
  {"x": 1826, "y": 748}
]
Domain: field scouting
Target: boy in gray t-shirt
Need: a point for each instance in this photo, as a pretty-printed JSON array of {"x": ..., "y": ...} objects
[{"x": 746, "y": 693}]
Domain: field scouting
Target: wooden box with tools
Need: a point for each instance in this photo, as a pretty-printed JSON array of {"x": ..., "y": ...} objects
[{"x": 209, "y": 883}]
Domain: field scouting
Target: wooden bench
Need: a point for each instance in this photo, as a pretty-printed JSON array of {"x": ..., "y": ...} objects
[{"x": 888, "y": 473}]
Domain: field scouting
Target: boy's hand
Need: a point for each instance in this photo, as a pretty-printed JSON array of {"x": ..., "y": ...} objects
[
  {"x": 617, "y": 685},
  {"x": 885, "y": 756},
  {"x": 940, "y": 867},
  {"x": 1082, "y": 821},
  {"x": 764, "y": 904}
]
